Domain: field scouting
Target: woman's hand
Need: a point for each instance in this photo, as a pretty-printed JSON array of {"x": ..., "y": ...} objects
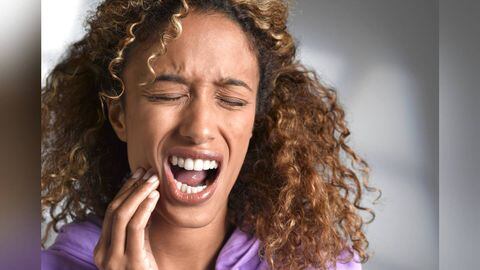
[{"x": 124, "y": 242}]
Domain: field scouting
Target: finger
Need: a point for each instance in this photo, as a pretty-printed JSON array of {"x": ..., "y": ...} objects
[
  {"x": 136, "y": 226},
  {"x": 99, "y": 253},
  {"x": 105, "y": 237},
  {"x": 125, "y": 211},
  {"x": 133, "y": 181}
]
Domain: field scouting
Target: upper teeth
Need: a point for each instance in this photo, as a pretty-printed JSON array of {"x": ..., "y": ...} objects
[{"x": 194, "y": 164}]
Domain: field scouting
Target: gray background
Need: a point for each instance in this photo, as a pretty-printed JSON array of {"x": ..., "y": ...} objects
[
  {"x": 459, "y": 133},
  {"x": 382, "y": 56}
]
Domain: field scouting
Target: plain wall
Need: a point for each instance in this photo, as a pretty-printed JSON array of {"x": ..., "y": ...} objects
[{"x": 459, "y": 133}]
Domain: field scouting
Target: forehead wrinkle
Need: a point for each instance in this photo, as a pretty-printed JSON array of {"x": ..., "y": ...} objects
[{"x": 172, "y": 65}]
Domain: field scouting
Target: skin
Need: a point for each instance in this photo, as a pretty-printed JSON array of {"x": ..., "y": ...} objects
[{"x": 209, "y": 112}]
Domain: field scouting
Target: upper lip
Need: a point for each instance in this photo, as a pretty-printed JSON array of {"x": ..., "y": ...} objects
[{"x": 192, "y": 153}]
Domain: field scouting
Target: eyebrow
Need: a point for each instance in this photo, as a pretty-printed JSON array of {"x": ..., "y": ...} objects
[
  {"x": 236, "y": 82},
  {"x": 171, "y": 78}
]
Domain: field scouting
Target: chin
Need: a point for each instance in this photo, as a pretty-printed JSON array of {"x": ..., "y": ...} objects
[{"x": 189, "y": 217}]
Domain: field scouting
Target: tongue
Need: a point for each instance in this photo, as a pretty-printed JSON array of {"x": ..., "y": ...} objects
[{"x": 191, "y": 178}]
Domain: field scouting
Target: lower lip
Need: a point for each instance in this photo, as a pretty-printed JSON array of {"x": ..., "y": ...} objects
[{"x": 185, "y": 198}]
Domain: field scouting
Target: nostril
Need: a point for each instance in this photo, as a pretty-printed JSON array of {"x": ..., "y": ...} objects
[{"x": 197, "y": 133}]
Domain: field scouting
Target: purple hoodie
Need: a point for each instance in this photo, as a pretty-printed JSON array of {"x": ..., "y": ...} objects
[{"x": 74, "y": 245}]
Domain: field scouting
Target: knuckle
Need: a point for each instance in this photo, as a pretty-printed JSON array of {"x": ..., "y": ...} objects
[
  {"x": 96, "y": 252},
  {"x": 111, "y": 208},
  {"x": 110, "y": 265},
  {"x": 98, "y": 260},
  {"x": 126, "y": 185},
  {"x": 130, "y": 266},
  {"x": 119, "y": 215},
  {"x": 144, "y": 206},
  {"x": 98, "y": 255},
  {"x": 135, "y": 264},
  {"x": 134, "y": 225}
]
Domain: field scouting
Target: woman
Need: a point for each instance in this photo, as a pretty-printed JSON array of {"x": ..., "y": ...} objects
[{"x": 237, "y": 152}]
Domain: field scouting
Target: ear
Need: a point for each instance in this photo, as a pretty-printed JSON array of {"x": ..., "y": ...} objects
[{"x": 116, "y": 115}]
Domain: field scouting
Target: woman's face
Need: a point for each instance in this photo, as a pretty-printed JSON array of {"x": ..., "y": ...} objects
[{"x": 202, "y": 102}]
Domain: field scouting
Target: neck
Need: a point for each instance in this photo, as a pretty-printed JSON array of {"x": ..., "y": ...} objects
[{"x": 177, "y": 247}]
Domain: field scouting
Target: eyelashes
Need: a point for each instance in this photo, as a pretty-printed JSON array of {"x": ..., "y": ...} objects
[
  {"x": 232, "y": 102},
  {"x": 155, "y": 98}
]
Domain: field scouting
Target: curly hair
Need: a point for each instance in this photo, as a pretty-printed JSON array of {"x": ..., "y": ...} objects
[{"x": 301, "y": 187}]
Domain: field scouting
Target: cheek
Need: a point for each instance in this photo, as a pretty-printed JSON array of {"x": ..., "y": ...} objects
[
  {"x": 240, "y": 130},
  {"x": 146, "y": 128}
]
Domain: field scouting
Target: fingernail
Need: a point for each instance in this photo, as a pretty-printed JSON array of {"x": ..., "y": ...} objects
[
  {"x": 137, "y": 173},
  {"x": 153, "y": 179},
  {"x": 153, "y": 195},
  {"x": 148, "y": 174}
]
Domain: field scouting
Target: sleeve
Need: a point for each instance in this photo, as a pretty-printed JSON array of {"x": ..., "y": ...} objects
[
  {"x": 73, "y": 247},
  {"x": 52, "y": 259},
  {"x": 354, "y": 264}
]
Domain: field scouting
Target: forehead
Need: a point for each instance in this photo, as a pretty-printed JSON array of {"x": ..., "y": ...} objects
[{"x": 210, "y": 46}]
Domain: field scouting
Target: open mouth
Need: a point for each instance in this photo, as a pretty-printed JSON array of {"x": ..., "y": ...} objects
[{"x": 193, "y": 175}]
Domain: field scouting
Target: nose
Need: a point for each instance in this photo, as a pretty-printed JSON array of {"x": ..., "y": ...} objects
[{"x": 198, "y": 121}]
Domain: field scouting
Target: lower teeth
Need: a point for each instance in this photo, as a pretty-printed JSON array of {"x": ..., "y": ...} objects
[{"x": 188, "y": 189}]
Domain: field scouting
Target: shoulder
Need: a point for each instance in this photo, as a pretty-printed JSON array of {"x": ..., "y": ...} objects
[
  {"x": 240, "y": 252},
  {"x": 73, "y": 247},
  {"x": 353, "y": 264},
  {"x": 344, "y": 262}
]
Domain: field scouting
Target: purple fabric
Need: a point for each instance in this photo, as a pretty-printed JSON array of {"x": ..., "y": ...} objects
[{"x": 74, "y": 245}]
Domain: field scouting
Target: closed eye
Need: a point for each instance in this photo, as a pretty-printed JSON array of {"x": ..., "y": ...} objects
[
  {"x": 233, "y": 102},
  {"x": 163, "y": 98},
  {"x": 171, "y": 98}
]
